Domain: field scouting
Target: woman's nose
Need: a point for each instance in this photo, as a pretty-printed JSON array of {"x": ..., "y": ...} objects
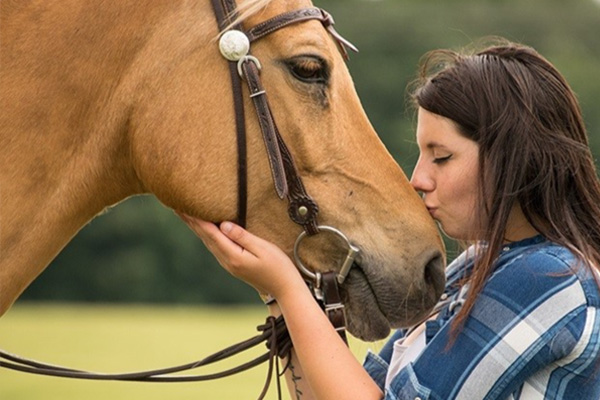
[{"x": 420, "y": 180}]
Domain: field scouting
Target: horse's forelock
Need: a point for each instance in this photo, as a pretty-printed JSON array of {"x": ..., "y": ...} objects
[{"x": 247, "y": 9}]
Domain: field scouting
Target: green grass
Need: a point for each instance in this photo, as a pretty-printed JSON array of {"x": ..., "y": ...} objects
[{"x": 130, "y": 338}]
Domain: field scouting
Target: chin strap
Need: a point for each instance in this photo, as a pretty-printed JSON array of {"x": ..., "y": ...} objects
[{"x": 332, "y": 304}]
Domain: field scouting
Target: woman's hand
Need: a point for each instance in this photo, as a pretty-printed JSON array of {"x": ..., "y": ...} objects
[
  {"x": 321, "y": 352},
  {"x": 256, "y": 261}
]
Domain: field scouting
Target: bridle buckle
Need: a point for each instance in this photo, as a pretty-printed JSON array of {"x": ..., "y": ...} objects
[{"x": 244, "y": 59}]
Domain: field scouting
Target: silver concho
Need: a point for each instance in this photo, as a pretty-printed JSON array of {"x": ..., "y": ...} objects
[{"x": 234, "y": 45}]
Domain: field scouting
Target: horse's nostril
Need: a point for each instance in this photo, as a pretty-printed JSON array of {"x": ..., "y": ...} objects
[{"x": 435, "y": 275}]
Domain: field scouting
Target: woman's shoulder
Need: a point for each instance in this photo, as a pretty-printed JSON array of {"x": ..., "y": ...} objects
[
  {"x": 534, "y": 254},
  {"x": 546, "y": 267},
  {"x": 545, "y": 257},
  {"x": 535, "y": 267}
]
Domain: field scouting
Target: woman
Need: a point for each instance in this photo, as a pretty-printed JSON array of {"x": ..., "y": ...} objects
[{"x": 504, "y": 165}]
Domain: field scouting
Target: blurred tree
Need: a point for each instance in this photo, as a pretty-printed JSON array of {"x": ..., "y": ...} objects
[{"x": 139, "y": 251}]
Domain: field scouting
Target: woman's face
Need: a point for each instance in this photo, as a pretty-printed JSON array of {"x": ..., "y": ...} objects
[{"x": 447, "y": 175}]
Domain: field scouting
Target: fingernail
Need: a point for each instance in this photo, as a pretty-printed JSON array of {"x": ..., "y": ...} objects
[{"x": 226, "y": 227}]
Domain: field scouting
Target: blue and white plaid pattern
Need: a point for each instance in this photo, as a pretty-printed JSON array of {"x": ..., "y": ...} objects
[{"x": 534, "y": 333}]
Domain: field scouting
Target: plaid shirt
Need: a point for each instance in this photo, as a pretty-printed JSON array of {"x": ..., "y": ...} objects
[{"x": 534, "y": 333}]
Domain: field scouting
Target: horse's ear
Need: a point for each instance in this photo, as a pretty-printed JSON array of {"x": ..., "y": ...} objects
[{"x": 342, "y": 43}]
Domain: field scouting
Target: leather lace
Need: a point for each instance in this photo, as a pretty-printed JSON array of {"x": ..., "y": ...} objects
[{"x": 273, "y": 332}]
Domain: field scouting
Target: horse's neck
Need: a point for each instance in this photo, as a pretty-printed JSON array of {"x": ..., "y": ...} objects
[
  {"x": 77, "y": 77},
  {"x": 63, "y": 130}
]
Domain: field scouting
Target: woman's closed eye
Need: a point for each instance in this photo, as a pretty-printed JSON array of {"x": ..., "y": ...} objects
[{"x": 441, "y": 160}]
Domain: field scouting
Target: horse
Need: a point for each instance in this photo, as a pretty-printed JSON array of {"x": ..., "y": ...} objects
[{"x": 110, "y": 99}]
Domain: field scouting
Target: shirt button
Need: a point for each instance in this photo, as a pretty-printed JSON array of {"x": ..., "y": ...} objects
[
  {"x": 417, "y": 398},
  {"x": 444, "y": 296},
  {"x": 506, "y": 248}
]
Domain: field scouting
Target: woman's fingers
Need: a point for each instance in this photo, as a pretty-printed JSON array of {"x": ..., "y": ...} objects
[
  {"x": 246, "y": 256},
  {"x": 229, "y": 237},
  {"x": 219, "y": 244},
  {"x": 242, "y": 237}
]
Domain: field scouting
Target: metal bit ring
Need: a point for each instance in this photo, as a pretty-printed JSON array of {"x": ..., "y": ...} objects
[{"x": 316, "y": 276}]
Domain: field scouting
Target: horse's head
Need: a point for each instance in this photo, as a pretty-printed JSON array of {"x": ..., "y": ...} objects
[{"x": 184, "y": 150}]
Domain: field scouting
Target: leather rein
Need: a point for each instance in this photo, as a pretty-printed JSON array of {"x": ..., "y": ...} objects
[{"x": 235, "y": 45}]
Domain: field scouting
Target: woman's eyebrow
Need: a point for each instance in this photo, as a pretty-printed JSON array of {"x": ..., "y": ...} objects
[{"x": 435, "y": 145}]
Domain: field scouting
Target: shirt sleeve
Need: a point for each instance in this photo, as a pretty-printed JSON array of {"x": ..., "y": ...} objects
[{"x": 531, "y": 312}]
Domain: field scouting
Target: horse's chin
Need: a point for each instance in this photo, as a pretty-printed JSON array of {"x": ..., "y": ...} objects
[
  {"x": 375, "y": 306},
  {"x": 364, "y": 317}
]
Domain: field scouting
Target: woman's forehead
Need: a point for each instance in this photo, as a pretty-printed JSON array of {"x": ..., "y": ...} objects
[{"x": 435, "y": 131}]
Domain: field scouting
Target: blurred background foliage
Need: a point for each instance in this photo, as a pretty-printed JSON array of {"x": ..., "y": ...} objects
[{"x": 140, "y": 252}]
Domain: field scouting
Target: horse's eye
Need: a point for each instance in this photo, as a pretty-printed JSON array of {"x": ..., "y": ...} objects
[{"x": 309, "y": 69}]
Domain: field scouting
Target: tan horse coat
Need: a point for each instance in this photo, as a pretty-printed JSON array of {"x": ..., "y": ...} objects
[{"x": 102, "y": 100}]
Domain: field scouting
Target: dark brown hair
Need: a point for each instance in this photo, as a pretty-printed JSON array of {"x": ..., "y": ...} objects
[{"x": 533, "y": 148}]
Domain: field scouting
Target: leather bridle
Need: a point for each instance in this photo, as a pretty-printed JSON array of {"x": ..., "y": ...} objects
[
  {"x": 302, "y": 209},
  {"x": 235, "y": 47}
]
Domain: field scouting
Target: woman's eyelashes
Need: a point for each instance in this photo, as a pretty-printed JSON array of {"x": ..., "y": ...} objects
[{"x": 441, "y": 160}]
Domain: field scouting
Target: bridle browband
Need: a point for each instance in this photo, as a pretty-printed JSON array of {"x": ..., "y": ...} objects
[{"x": 302, "y": 209}]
